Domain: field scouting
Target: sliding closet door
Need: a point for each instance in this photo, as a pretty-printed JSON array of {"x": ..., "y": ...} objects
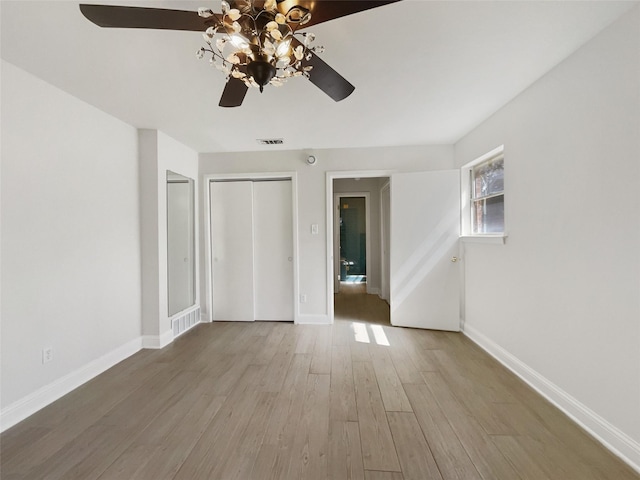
[
  {"x": 273, "y": 250},
  {"x": 232, "y": 250}
]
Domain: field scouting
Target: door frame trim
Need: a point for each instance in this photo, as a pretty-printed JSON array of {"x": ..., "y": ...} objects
[
  {"x": 385, "y": 286},
  {"x": 207, "y": 180},
  {"x": 330, "y": 176}
]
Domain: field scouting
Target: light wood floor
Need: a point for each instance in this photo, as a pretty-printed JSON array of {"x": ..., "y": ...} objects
[{"x": 278, "y": 401}]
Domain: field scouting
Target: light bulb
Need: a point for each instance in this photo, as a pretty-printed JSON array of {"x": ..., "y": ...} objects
[
  {"x": 283, "y": 48},
  {"x": 239, "y": 41}
]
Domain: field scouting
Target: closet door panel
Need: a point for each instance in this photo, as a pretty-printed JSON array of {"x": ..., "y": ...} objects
[
  {"x": 232, "y": 250},
  {"x": 273, "y": 250}
]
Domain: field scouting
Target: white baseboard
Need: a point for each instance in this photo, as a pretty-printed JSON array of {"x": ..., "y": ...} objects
[
  {"x": 157, "y": 341},
  {"x": 609, "y": 435},
  {"x": 373, "y": 291},
  {"x": 306, "y": 319},
  {"x": 26, "y": 406}
]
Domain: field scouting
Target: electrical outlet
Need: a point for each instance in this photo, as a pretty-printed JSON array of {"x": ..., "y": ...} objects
[
  {"x": 303, "y": 298},
  {"x": 47, "y": 354}
]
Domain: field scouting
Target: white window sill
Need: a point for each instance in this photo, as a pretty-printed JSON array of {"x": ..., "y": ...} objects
[{"x": 494, "y": 239}]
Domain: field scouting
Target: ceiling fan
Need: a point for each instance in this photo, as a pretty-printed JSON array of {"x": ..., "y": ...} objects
[{"x": 254, "y": 42}]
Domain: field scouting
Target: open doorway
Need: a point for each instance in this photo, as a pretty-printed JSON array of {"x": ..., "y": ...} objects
[
  {"x": 356, "y": 235},
  {"x": 352, "y": 239}
]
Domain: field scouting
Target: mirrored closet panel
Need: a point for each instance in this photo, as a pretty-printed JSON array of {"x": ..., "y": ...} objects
[{"x": 180, "y": 243}]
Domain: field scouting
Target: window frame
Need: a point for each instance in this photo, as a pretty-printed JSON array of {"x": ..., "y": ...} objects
[{"x": 466, "y": 200}]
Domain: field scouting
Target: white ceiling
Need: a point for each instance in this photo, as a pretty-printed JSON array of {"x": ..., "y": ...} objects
[{"x": 425, "y": 72}]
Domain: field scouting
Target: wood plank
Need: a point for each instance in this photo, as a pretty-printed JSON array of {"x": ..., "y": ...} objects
[
  {"x": 560, "y": 462},
  {"x": 378, "y": 449},
  {"x": 360, "y": 352},
  {"x": 306, "y": 340},
  {"x": 522, "y": 461},
  {"x": 416, "y": 459},
  {"x": 90, "y": 453},
  {"x": 311, "y": 444},
  {"x": 275, "y": 453},
  {"x": 166, "y": 457},
  {"x": 211, "y": 448},
  {"x": 345, "y": 453},
  {"x": 449, "y": 453},
  {"x": 243, "y": 448},
  {"x": 485, "y": 456},
  {"x": 474, "y": 396},
  {"x": 341, "y": 332},
  {"x": 342, "y": 397},
  {"x": 406, "y": 369},
  {"x": 321, "y": 360},
  {"x": 422, "y": 358},
  {"x": 270, "y": 345},
  {"x": 378, "y": 475},
  {"x": 393, "y": 395},
  {"x": 62, "y": 426}
]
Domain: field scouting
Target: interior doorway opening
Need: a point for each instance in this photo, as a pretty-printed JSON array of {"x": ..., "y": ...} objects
[
  {"x": 357, "y": 236},
  {"x": 352, "y": 240}
]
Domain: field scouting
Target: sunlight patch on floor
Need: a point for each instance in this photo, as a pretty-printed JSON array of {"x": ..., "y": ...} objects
[
  {"x": 379, "y": 335},
  {"x": 361, "y": 334}
]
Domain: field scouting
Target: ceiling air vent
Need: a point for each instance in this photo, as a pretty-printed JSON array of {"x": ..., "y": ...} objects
[{"x": 270, "y": 141}]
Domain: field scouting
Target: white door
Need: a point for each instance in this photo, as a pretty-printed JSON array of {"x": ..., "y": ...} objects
[
  {"x": 424, "y": 271},
  {"x": 232, "y": 250},
  {"x": 273, "y": 250},
  {"x": 252, "y": 250}
]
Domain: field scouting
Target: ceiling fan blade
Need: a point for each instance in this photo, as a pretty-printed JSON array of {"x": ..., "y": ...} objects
[
  {"x": 325, "y": 10},
  {"x": 113, "y": 16},
  {"x": 326, "y": 78},
  {"x": 233, "y": 93}
]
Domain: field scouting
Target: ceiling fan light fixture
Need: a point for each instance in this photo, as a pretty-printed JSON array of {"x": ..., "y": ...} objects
[
  {"x": 262, "y": 72},
  {"x": 256, "y": 43}
]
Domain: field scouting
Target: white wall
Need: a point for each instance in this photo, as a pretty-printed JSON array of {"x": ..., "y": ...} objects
[
  {"x": 160, "y": 153},
  {"x": 559, "y": 301},
  {"x": 312, "y": 202},
  {"x": 70, "y": 242}
]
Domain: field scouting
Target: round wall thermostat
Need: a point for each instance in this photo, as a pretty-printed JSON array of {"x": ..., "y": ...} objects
[{"x": 311, "y": 160}]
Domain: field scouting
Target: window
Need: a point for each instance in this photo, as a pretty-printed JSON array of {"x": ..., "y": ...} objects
[
  {"x": 483, "y": 196},
  {"x": 487, "y": 196}
]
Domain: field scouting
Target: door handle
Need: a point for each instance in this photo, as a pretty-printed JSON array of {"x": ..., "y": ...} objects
[{"x": 455, "y": 259}]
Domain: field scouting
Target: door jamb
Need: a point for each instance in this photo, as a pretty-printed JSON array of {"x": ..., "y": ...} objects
[{"x": 384, "y": 273}]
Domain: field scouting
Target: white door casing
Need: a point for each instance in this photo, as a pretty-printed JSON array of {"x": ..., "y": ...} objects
[{"x": 385, "y": 240}]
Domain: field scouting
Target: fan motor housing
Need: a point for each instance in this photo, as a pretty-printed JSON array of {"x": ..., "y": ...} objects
[{"x": 261, "y": 71}]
